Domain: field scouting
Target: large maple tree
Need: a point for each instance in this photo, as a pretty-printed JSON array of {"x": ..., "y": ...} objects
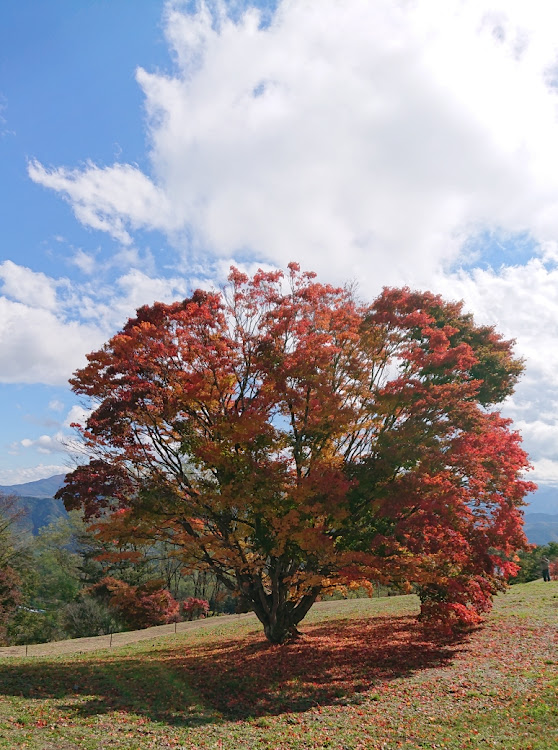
[{"x": 292, "y": 439}]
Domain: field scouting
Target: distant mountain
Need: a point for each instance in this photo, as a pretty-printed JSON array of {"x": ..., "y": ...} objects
[
  {"x": 41, "y": 488},
  {"x": 541, "y": 528},
  {"x": 544, "y": 500},
  {"x": 36, "y": 500},
  {"x": 39, "y": 512}
]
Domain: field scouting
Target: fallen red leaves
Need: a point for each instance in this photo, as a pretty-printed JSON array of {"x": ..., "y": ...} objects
[
  {"x": 364, "y": 684},
  {"x": 330, "y": 664}
]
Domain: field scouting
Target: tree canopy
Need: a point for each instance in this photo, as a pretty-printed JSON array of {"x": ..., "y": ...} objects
[{"x": 292, "y": 439}]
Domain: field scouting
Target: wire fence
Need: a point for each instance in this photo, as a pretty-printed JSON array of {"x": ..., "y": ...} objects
[{"x": 114, "y": 640}]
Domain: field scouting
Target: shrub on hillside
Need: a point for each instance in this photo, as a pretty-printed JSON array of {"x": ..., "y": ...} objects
[
  {"x": 29, "y": 626},
  {"x": 88, "y": 617},
  {"x": 193, "y": 608},
  {"x": 9, "y": 597},
  {"x": 138, "y": 606}
]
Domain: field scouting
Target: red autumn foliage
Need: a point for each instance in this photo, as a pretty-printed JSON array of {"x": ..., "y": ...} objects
[
  {"x": 139, "y": 606},
  {"x": 193, "y": 608},
  {"x": 292, "y": 439},
  {"x": 10, "y": 596}
]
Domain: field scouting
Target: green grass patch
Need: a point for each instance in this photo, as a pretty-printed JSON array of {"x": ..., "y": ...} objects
[{"x": 364, "y": 676}]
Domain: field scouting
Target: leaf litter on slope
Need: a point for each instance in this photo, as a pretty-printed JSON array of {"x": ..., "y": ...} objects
[{"x": 348, "y": 684}]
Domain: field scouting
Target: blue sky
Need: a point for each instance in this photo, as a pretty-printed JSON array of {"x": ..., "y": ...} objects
[{"x": 145, "y": 146}]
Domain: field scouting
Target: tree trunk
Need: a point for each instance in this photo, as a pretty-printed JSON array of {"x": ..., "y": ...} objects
[
  {"x": 280, "y": 617},
  {"x": 280, "y": 631}
]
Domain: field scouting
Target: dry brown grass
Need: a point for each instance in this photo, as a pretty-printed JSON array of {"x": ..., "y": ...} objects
[{"x": 81, "y": 645}]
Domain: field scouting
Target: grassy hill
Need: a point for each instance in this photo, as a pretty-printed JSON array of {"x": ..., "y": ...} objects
[{"x": 363, "y": 677}]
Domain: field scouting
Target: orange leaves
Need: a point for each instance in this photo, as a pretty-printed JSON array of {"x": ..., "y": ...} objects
[
  {"x": 311, "y": 438},
  {"x": 140, "y": 606}
]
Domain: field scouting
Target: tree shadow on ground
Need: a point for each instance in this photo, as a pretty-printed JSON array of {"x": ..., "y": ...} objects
[{"x": 334, "y": 663}]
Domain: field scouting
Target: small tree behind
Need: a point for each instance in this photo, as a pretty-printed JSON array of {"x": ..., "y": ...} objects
[
  {"x": 88, "y": 617},
  {"x": 138, "y": 606},
  {"x": 194, "y": 608}
]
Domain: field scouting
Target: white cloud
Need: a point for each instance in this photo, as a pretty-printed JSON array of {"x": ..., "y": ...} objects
[
  {"x": 108, "y": 199},
  {"x": 41, "y": 338},
  {"x": 36, "y": 346},
  {"x": 30, "y": 474},
  {"x": 49, "y": 325},
  {"x": 24, "y": 285},
  {"x": 545, "y": 472},
  {"x": 64, "y": 441},
  {"x": 110, "y": 305},
  {"x": 522, "y": 303},
  {"x": 84, "y": 261},
  {"x": 363, "y": 139},
  {"x": 366, "y": 140},
  {"x": 46, "y": 443},
  {"x": 137, "y": 289},
  {"x": 76, "y": 415},
  {"x": 542, "y": 437},
  {"x": 56, "y": 405}
]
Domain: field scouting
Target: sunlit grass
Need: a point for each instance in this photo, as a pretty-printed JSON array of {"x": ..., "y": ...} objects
[{"x": 364, "y": 676}]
